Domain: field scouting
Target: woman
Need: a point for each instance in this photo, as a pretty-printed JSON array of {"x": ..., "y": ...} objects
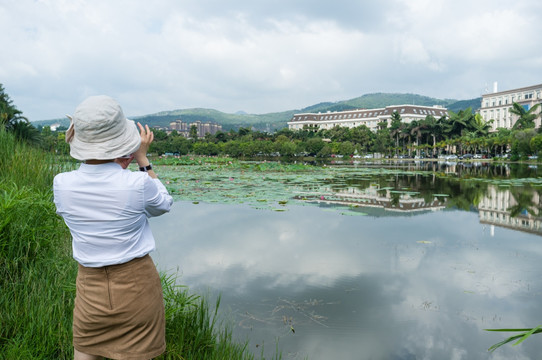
[{"x": 119, "y": 308}]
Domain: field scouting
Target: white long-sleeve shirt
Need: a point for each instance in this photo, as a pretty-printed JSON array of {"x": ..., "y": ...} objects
[{"x": 106, "y": 209}]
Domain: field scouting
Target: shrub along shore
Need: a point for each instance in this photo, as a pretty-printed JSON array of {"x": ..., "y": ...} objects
[{"x": 37, "y": 274}]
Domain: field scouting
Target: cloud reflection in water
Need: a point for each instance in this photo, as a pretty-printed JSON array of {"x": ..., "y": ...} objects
[{"x": 401, "y": 287}]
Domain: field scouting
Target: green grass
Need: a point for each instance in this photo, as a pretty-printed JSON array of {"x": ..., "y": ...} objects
[
  {"x": 37, "y": 274},
  {"x": 36, "y": 271}
]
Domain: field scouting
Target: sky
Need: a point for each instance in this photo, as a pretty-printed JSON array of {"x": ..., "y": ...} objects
[{"x": 260, "y": 56}]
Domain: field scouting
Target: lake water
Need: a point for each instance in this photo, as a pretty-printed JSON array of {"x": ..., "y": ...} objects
[{"x": 402, "y": 266}]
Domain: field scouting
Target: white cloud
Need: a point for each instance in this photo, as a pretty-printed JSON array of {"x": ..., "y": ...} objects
[{"x": 259, "y": 56}]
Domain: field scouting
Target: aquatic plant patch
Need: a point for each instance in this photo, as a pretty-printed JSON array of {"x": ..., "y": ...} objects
[
  {"x": 275, "y": 185},
  {"x": 270, "y": 185}
]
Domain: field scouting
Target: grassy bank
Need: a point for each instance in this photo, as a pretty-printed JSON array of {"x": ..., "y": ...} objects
[{"x": 37, "y": 274}]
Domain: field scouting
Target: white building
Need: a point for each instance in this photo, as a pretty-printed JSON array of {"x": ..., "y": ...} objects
[
  {"x": 368, "y": 117},
  {"x": 496, "y": 105}
]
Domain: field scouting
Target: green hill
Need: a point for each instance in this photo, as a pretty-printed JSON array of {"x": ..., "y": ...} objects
[
  {"x": 273, "y": 121},
  {"x": 474, "y": 104},
  {"x": 266, "y": 122}
]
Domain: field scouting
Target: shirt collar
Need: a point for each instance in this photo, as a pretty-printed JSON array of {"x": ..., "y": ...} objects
[{"x": 98, "y": 168}]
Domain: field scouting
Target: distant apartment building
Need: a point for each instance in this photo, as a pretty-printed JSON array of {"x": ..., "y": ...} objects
[
  {"x": 368, "y": 117},
  {"x": 496, "y": 105},
  {"x": 202, "y": 127}
]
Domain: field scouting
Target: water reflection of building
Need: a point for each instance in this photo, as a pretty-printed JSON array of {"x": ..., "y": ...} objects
[
  {"x": 385, "y": 198},
  {"x": 495, "y": 209}
]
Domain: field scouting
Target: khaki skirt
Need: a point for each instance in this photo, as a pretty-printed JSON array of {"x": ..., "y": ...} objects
[{"x": 119, "y": 311}]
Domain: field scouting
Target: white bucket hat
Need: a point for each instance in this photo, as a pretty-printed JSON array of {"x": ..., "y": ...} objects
[{"x": 99, "y": 130}]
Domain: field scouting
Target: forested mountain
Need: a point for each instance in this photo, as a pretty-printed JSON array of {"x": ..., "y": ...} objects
[{"x": 273, "y": 121}]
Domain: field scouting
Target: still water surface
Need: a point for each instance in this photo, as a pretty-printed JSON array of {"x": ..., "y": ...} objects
[{"x": 399, "y": 283}]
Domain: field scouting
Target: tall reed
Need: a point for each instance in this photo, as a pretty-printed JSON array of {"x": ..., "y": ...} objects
[{"x": 35, "y": 266}]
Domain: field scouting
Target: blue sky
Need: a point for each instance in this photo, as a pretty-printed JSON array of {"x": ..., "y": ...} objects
[{"x": 260, "y": 56}]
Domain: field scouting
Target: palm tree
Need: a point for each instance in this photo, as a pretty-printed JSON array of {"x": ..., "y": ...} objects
[
  {"x": 480, "y": 126},
  {"x": 12, "y": 120},
  {"x": 9, "y": 114},
  {"x": 382, "y": 125},
  {"x": 524, "y": 202},
  {"x": 415, "y": 128},
  {"x": 503, "y": 139},
  {"x": 405, "y": 133},
  {"x": 24, "y": 130},
  {"x": 434, "y": 128},
  {"x": 396, "y": 128},
  {"x": 525, "y": 117},
  {"x": 458, "y": 122},
  {"x": 426, "y": 127},
  {"x": 469, "y": 141}
]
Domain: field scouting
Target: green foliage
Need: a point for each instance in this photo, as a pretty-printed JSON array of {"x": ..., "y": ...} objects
[
  {"x": 12, "y": 120},
  {"x": 192, "y": 328},
  {"x": 24, "y": 166},
  {"x": 25, "y": 214},
  {"x": 314, "y": 145},
  {"x": 536, "y": 144},
  {"x": 324, "y": 152},
  {"x": 460, "y": 133},
  {"x": 525, "y": 117},
  {"x": 36, "y": 270},
  {"x": 525, "y": 334},
  {"x": 346, "y": 148},
  {"x": 287, "y": 148}
]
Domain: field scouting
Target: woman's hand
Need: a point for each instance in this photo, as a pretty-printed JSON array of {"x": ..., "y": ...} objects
[
  {"x": 124, "y": 162},
  {"x": 147, "y": 136}
]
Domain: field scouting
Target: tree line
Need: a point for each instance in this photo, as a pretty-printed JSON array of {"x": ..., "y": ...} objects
[{"x": 458, "y": 133}]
